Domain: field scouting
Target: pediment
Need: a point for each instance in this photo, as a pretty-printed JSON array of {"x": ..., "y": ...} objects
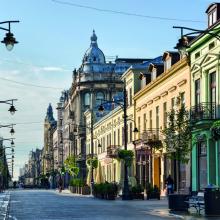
[
  {"x": 208, "y": 59},
  {"x": 196, "y": 67}
]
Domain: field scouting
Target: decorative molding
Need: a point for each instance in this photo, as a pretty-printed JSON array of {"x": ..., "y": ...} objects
[
  {"x": 138, "y": 109},
  {"x": 182, "y": 82},
  {"x": 164, "y": 94},
  {"x": 150, "y": 102},
  {"x": 143, "y": 106},
  {"x": 171, "y": 89},
  {"x": 156, "y": 98}
]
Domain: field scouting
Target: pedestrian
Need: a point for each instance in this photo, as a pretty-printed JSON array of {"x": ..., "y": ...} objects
[
  {"x": 60, "y": 184},
  {"x": 169, "y": 183}
]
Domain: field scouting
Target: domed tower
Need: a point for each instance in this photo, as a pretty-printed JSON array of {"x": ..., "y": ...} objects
[{"x": 94, "y": 54}]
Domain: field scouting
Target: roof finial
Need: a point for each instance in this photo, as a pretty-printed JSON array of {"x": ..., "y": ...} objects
[{"x": 93, "y": 37}]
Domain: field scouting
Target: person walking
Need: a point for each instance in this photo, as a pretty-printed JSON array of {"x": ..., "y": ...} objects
[
  {"x": 60, "y": 184},
  {"x": 170, "y": 184}
]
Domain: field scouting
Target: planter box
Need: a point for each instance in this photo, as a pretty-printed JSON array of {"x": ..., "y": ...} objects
[
  {"x": 153, "y": 195},
  {"x": 110, "y": 197},
  {"x": 138, "y": 196},
  {"x": 85, "y": 190},
  {"x": 177, "y": 202}
]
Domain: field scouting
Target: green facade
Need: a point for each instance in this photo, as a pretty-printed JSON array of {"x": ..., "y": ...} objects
[{"x": 205, "y": 100}]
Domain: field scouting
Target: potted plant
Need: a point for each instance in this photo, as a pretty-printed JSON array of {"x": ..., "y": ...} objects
[
  {"x": 153, "y": 192},
  {"x": 215, "y": 130},
  {"x": 177, "y": 138},
  {"x": 137, "y": 192},
  {"x": 127, "y": 156}
]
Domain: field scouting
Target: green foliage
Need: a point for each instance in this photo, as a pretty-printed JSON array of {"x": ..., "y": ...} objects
[
  {"x": 215, "y": 130},
  {"x": 92, "y": 162},
  {"x": 177, "y": 135},
  {"x": 105, "y": 188},
  {"x": 152, "y": 189},
  {"x": 137, "y": 189},
  {"x": 76, "y": 182},
  {"x": 127, "y": 156},
  {"x": 71, "y": 166}
]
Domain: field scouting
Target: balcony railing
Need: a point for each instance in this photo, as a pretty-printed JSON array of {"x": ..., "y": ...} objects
[
  {"x": 203, "y": 111},
  {"x": 151, "y": 136},
  {"x": 112, "y": 151}
]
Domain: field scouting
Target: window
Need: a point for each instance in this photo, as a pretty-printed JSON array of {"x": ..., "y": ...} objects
[
  {"x": 150, "y": 122},
  {"x": 173, "y": 103},
  {"x": 87, "y": 99},
  {"x": 157, "y": 118},
  {"x": 212, "y": 87},
  {"x": 164, "y": 114},
  {"x": 118, "y": 136},
  {"x": 139, "y": 123},
  {"x": 114, "y": 138},
  {"x": 211, "y": 45},
  {"x": 123, "y": 136},
  {"x": 197, "y": 55},
  {"x": 99, "y": 97},
  {"x": 130, "y": 133},
  {"x": 202, "y": 165},
  {"x": 197, "y": 92},
  {"x": 212, "y": 17},
  {"x": 145, "y": 122},
  {"x": 182, "y": 98},
  {"x": 130, "y": 96}
]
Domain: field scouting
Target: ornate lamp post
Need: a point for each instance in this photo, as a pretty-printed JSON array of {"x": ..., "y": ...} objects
[
  {"x": 12, "y": 131},
  {"x": 10, "y": 102},
  {"x": 9, "y": 39},
  {"x": 126, "y": 193}
]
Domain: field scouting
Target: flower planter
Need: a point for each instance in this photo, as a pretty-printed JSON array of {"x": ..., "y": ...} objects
[
  {"x": 85, "y": 190},
  {"x": 153, "y": 195},
  {"x": 110, "y": 197},
  {"x": 138, "y": 196},
  {"x": 177, "y": 202}
]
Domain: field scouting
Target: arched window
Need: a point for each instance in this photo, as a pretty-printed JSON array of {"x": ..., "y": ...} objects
[
  {"x": 99, "y": 96},
  {"x": 87, "y": 99}
]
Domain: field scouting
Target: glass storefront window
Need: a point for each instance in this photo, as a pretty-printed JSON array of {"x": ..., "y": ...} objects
[{"x": 202, "y": 165}]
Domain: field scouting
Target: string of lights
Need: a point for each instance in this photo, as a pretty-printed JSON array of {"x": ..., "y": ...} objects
[{"x": 123, "y": 12}]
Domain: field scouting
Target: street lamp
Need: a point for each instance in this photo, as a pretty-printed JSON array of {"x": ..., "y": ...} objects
[
  {"x": 9, "y": 39},
  {"x": 10, "y": 102},
  {"x": 126, "y": 193},
  {"x": 12, "y": 131}
]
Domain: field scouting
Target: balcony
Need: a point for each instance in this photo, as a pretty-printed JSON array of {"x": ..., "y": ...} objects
[
  {"x": 112, "y": 151},
  {"x": 203, "y": 111},
  {"x": 151, "y": 137}
]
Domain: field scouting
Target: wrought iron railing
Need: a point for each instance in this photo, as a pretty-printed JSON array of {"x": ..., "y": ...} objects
[
  {"x": 151, "y": 135},
  {"x": 112, "y": 151},
  {"x": 203, "y": 111}
]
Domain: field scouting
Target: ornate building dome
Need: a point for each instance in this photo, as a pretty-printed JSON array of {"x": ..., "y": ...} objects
[{"x": 94, "y": 55}]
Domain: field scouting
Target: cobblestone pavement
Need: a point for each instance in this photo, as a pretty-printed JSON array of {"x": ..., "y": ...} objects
[
  {"x": 48, "y": 204},
  {"x": 4, "y": 203}
]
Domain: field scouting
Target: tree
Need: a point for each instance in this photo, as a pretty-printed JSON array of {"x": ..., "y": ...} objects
[
  {"x": 177, "y": 138},
  {"x": 71, "y": 166}
]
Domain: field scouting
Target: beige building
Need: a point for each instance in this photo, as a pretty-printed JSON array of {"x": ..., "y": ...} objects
[
  {"x": 165, "y": 91},
  {"x": 109, "y": 131}
]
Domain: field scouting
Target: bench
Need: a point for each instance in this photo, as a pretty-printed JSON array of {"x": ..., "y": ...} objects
[{"x": 197, "y": 202}]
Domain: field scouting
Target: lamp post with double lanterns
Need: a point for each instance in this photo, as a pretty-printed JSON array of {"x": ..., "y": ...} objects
[
  {"x": 9, "y": 39},
  {"x": 126, "y": 195}
]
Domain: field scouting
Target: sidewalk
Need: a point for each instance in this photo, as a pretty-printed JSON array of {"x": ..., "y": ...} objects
[
  {"x": 4, "y": 204},
  {"x": 151, "y": 207}
]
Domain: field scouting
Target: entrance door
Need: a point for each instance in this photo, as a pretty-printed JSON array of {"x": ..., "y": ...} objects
[{"x": 156, "y": 173}]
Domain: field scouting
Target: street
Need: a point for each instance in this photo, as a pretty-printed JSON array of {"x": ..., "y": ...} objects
[{"x": 48, "y": 204}]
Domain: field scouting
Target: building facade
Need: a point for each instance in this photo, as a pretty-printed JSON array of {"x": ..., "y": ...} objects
[
  {"x": 94, "y": 81},
  {"x": 205, "y": 95},
  {"x": 168, "y": 87}
]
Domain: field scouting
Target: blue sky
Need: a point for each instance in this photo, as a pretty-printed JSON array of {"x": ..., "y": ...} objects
[{"x": 53, "y": 38}]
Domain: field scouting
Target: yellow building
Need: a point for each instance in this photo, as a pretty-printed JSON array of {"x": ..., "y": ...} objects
[
  {"x": 108, "y": 132},
  {"x": 166, "y": 90}
]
